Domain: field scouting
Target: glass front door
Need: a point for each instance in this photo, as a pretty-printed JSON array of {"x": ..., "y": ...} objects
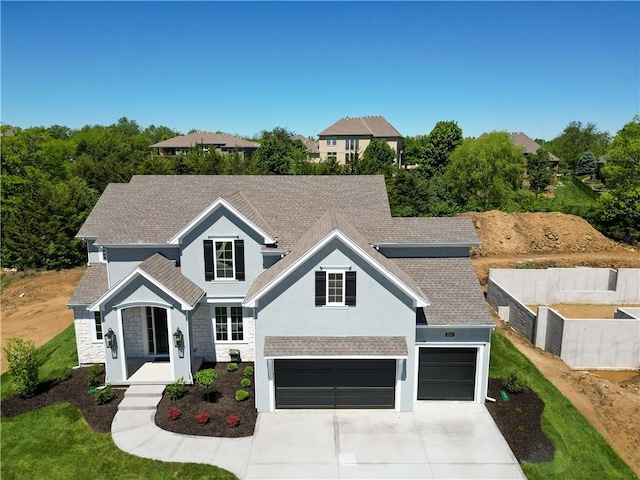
[{"x": 157, "y": 332}]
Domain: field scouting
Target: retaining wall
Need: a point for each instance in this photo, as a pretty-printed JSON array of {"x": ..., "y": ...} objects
[{"x": 517, "y": 313}]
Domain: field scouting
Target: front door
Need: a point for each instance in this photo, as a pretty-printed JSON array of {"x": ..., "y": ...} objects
[{"x": 157, "y": 332}]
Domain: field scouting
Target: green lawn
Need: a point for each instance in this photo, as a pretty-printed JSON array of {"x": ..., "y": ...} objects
[
  {"x": 581, "y": 452},
  {"x": 56, "y": 443},
  {"x": 568, "y": 195}
]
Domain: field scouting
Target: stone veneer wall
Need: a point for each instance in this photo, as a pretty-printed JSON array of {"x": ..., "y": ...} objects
[
  {"x": 133, "y": 331},
  {"x": 88, "y": 350}
]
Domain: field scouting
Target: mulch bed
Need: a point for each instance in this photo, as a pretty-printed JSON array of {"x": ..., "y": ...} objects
[
  {"x": 519, "y": 422},
  {"x": 71, "y": 390},
  {"x": 218, "y": 400}
]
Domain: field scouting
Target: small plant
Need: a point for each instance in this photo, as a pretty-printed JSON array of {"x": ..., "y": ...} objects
[
  {"x": 232, "y": 367},
  {"x": 241, "y": 395},
  {"x": 174, "y": 413},
  {"x": 22, "y": 359},
  {"x": 93, "y": 378},
  {"x": 105, "y": 395},
  {"x": 514, "y": 382},
  {"x": 205, "y": 378},
  {"x": 518, "y": 410},
  {"x": 248, "y": 371},
  {"x": 233, "y": 420},
  {"x": 245, "y": 382},
  {"x": 203, "y": 418},
  {"x": 176, "y": 390},
  {"x": 234, "y": 354}
]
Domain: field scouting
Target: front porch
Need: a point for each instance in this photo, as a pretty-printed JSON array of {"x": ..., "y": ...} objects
[{"x": 150, "y": 371}]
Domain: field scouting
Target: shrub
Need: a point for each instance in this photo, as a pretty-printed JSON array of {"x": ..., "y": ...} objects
[
  {"x": 105, "y": 395},
  {"x": 248, "y": 371},
  {"x": 205, "y": 378},
  {"x": 233, "y": 420},
  {"x": 232, "y": 367},
  {"x": 245, "y": 382},
  {"x": 241, "y": 395},
  {"x": 93, "y": 378},
  {"x": 514, "y": 383},
  {"x": 22, "y": 361},
  {"x": 174, "y": 413},
  {"x": 203, "y": 418},
  {"x": 176, "y": 390}
]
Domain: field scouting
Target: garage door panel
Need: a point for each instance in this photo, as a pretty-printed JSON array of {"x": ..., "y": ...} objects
[
  {"x": 364, "y": 397},
  {"x": 304, "y": 398},
  {"x": 446, "y": 373}
]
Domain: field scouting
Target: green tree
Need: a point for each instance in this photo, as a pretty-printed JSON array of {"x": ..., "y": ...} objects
[
  {"x": 539, "y": 171},
  {"x": 377, "y": 158},
  {"x": 22, "y": 361},
  {"x": 576, "y": 139},
  {"x": 586, "y": 164},
  {"x": 445, "y": 137},
  {"x": 484, "y": 173}
]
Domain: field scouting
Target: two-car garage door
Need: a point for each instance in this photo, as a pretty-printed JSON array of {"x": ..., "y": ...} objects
[{"x": 319, "y": 383}]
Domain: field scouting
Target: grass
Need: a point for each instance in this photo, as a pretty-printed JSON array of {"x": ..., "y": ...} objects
[
  {"x": 568, "y": 195},
  {"x": 581, "y": 452},
  {"x": 55, "y": 443}
]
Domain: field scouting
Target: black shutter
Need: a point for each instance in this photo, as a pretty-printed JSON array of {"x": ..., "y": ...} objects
[
  {"x": 238, "y": 245},
  {"x": 208, "y": 260},
  {"x": 321, "y": 288},
  {"x": 350, "y": 289}
]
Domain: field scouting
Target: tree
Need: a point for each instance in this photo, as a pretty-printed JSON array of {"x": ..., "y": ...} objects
[
  {"x": 445, "y": 137},
  {"x": 586, "y": 164},
  {"x": 484, "y": 173},
  {"x": 22, "y": 361},
  {"x": 576, "y": 139},
  {"x": 378, "y": 157},
  {"x": 539, "y": 171}
]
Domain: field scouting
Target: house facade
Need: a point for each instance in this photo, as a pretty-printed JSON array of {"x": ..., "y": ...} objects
[
  {"x": 349, "y": 135},
  {"x": 209, "y": 142},
  {"x": 338, "y": 304}
]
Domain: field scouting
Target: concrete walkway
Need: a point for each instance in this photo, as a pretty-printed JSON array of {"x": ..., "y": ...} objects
[{"x": 447, "y": 440}]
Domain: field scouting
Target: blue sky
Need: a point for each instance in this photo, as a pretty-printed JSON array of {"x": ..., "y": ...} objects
[{"x": 243, "y": 67}]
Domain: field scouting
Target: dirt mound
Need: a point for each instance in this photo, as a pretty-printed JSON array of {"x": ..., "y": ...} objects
[{"x": 505, "y": 234}]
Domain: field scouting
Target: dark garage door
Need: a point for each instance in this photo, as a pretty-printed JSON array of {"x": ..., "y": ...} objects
[
  {"x": 447, "y": 373},
  {"x": 335, "y": 383}
]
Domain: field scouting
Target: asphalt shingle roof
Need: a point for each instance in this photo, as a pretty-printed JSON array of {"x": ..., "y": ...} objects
[
  {"x": 165, "y": 272},
  {"x": 335, "y": 346},
  {"x": 310, "y": 144},
  {"x": 419, "y": 230},
  {"x": 206, "y": 138},
  {"x": 93, "y": 284},
  {"x": 529, "y": 145},
  {"x": 453, "y": 290},
  {"x": 374, "y": 125}
]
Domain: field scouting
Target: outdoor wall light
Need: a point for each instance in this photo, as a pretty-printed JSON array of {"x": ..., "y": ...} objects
[
  {"x": 177, "y": 339},
  {"x": 110, "y": 338}
]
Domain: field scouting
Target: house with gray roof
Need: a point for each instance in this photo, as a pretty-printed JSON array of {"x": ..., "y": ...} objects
[
  {"x": 335, "y": 302},
  {"x": 209, "y": 142},
  {"x": 349, "y": 135}
]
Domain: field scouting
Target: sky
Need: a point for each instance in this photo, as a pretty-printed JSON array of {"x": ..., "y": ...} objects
[{"x": 244, "y": 67}]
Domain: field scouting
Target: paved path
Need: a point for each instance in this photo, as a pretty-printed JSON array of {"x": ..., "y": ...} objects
[{"x": 438, "y": 440}]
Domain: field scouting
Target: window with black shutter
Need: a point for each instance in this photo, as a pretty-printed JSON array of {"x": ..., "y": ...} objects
[
  {"x": 224, "y": 260},
  {"x": 335, "y": 287}
]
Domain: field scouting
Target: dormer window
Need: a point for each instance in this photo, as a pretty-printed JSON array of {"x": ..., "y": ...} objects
[{"x": 223, "y": 260}]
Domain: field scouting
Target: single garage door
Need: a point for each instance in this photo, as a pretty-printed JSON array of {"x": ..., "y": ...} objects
[
  {"x": 447, "y": 373},
  {"x": 335, "y": 383}
]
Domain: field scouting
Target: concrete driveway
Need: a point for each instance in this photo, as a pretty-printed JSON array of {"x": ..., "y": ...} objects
[{"x": 440, "y": 440}]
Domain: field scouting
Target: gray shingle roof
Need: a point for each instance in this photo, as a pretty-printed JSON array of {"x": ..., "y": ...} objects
[
  {"x": 206, "y": 138},
  {"x": 530, "y": 146},
  {"x": 334, "y": 346},
  {"x": 310, "y": 144},
  {"x": 452, "y": 287},
  {"x": 325, "y": 225},
  {"x": 375, "y": 126},
  {"x": 420, "y": 230},
  {"x": 165, "y": 272},
  {"x": 152, "y": 209},
  {"x": 93, "y": 284}
]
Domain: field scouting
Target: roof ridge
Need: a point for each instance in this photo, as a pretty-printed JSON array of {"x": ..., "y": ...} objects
[{"x": 366, "y": 125}]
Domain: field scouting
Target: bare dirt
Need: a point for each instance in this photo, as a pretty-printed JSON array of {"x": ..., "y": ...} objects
[
  {"x": 527, "y": 240},
  {"x": 584, "y": 311}
]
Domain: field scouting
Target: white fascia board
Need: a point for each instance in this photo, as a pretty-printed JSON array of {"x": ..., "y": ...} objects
[
  {"x": 336, "y": 357},
  {"x": 225, "y": 300},
  {"x": 95, "y": 306},
  {"x": 135, "y": 245},
  {"x": 420, "y": 302},
  {"x": 457, "y": 325},
  {"x": 219, "y": 202}
]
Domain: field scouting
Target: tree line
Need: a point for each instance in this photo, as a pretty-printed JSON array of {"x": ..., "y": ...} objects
[{"x": 52, "y": 177}]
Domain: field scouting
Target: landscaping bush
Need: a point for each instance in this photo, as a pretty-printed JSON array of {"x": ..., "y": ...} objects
[
  {"x": 245, "y": 382},
  {"x": 176, "y": 390},
  {"x": 233, "y": 420},
  {"x": 22, "y": 361},
  {"x": 174, "y": 413},
  {"x": 203, "y": 418},
  {"x": 105, "y": 395},
  {"x": 514, "y": 383},
  {"x": 232, "y": 367},
  {"x": 241, "y": 395},
  {"x": 93, "y": 379},
  {"x": 205, "y": 378},
  {"x": 248, "y": 371}
]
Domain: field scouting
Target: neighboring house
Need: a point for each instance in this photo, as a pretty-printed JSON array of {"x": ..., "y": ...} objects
[
  {"x": 338, "y": 304},
  {"x": 220, "y": 142},
  {"x": 531, "y": 147},
  {"x": 312, "y": 147},
  {"x": 350, "y": 135}
]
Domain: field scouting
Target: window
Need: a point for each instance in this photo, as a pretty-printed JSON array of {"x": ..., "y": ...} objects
[
  {"x": 332, "y": 140},
  {"x": 332, "y": 156},
  {"x": 224, "y": 260},
  {"x": 229, "y": 324},
  {"x": 102, "y": 254},
  {"x": 97, "y": 326},
  {"x": 335, "y": 287},
  {"x": 352, "y": 144}
]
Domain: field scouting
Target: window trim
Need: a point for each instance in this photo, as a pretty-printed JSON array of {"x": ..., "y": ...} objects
[
  {"x": 215, "y": 259},
  {"x": 340, "y": 272},
  {"x": 237, "y": 259},
  {"x": 229, "y": 323},
  {"x": 349, "y": 287},
  {"x": 97, "y": 316}
]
